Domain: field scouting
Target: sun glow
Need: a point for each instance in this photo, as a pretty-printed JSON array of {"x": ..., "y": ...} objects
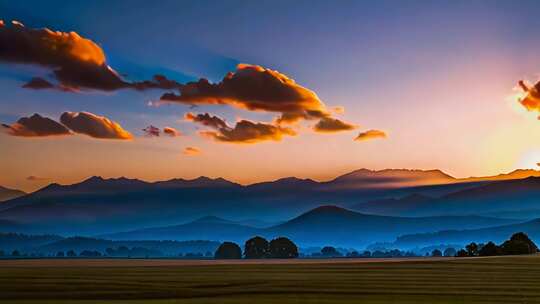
[{"x": 529, "y": 160}]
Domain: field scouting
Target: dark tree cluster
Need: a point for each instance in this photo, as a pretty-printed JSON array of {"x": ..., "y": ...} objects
[
  {"x": 259, "y": 248},
  {"x": 519, "y": 243}
]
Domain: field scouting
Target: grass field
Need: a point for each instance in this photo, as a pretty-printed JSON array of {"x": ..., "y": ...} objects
[{"x": 477, "y": 280}]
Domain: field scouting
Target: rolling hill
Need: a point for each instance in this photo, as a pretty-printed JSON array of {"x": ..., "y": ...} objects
[
  {"x": 326, "y": 225},
  {"x": 496, "y": 234}
]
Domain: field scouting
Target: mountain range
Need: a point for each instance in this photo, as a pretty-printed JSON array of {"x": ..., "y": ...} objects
[{"x": 391, "y": 203}]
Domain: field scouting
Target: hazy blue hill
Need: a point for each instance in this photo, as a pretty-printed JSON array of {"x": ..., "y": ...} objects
[
  {"x": 393, "y": 206},
  {"x": 207, "y": 228},
  {"x": 327, "y": 225},
  {"x": 509, "y": 195},
  {"x": 12, "y": 241},
  {"x": 7, "y": 194},
  {"x": 331, "y": 225},
  {"x": 496, "y": 234}
]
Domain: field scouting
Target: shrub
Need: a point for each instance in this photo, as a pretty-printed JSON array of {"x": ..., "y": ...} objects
[{"x": 436, "y": 253}]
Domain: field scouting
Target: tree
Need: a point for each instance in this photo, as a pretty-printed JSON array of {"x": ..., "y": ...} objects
[
  {"x": 436, "y": 253},
  {"x": 283, "y": 248},
  {"x": 462, "y": 253},
  {"x": 449, "y": 252},
  {"x": 519, "y": 243},
  {"x": 489, "y": 249},
  {"x": 60, "y": 254},
  {"x": 472, "y": 249},
  {"x": 71, "y": 253},
  {"x": 330, "y": 251},
  {"x": 228, "y": 250},
  {"x": 2, "y": 253},
  {"x": 256, "y": 248},
  {"x": 15, "y": 253}
]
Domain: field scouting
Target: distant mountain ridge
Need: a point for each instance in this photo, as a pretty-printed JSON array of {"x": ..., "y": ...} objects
[
  {"x": 104, "y": 206},
  {"x": 7, "y": 194}
]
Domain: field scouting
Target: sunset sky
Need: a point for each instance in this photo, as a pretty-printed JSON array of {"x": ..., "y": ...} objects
[{"x": 434, "y": 82}]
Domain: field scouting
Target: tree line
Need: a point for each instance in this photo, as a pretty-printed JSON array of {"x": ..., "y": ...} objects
[
  {"x": 519, "y": 243},
  {"x": 259, "y": 248}
]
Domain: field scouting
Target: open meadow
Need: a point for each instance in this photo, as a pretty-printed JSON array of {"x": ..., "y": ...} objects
[{"x": 467, "y": 280}]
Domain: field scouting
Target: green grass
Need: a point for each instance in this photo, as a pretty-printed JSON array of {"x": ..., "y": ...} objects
[{"x": 485, "y": 280}]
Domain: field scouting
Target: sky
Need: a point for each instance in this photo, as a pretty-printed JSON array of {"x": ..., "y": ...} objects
[{"x": 435, "y": 80}]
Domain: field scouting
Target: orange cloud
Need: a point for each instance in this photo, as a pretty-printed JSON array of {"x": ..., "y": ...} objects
[
  {"x": 245, "y": 131},
  {"x": 36, "y": 126},
  {"x": 94, "y": 125},
  {"x": 531, "y": 100},
  {"x": 192, "y": 151},
  {"x": 370, "y": 134},
  {"x": 332, "y": 125},
  {"x": 77, "y": 63},
  {"x": 207, "y": 120},
  {"x": 172, "y": 132},
  {"x": 254, "y": 88}
]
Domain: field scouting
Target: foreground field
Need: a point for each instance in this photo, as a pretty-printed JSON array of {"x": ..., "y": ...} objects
[{"x": 477, "y": 280}]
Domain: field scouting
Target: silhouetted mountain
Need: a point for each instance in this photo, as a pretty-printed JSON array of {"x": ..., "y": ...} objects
[
  {"x": 496, "y": 234},
  {"x": 199, "y": 182},
  {"x": 7, "y": 194},
  {"x": 391, "y": 178}
]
